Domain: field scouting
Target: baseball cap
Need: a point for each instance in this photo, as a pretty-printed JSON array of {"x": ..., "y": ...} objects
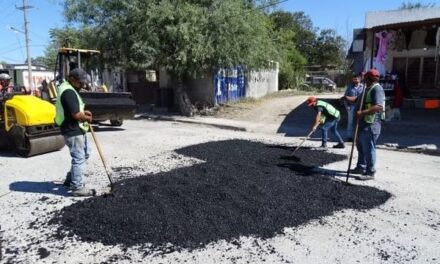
[
  {"x": 79, "y": 74},
  {"x": 5, "y": 76},
  {"x": 311, "y": 100},
  {"x": 373, "y": 73}
]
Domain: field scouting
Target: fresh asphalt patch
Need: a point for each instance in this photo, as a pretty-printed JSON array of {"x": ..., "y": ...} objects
[{"x": 243, "y": 188}]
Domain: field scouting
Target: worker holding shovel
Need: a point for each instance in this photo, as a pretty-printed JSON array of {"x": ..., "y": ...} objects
[
  {"x": 74, "y": 124},
  {"x": 369, "y": 125},
  {"x": 328, "y": 116}
]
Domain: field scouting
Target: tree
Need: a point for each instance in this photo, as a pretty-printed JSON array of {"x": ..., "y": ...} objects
[
  {"x": 187, "y": 38},
  {"x": 300, "y": 43},
  {"x": 304, "y": 32},
  {"x": 292, "y": 62},
  {"x": 410, "y": 5},
  {"x": 329, "y": 48}
]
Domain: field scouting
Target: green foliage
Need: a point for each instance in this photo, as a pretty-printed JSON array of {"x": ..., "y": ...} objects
[
  {"x": 300, "y": 43},
  {"x": 329, "y": 48},
  {"x": 184, "y": 37},
  {"x": 192, "y": 37}
]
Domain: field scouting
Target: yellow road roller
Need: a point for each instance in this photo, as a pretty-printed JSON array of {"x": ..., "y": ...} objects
[{"x": 27, "y": 125}]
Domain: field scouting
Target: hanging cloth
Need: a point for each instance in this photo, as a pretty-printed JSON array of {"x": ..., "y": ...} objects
[{"x": 384, "y": 40}]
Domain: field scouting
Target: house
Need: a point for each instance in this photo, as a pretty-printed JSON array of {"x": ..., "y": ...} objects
[{"x": 404, "y": 46}]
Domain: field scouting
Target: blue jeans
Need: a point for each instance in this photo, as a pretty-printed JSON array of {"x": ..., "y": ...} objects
[
  {"x": 331, "y": 125},
  {"x": 350, "y": 121},
  {"x": 80, "y": 152},
  {"x": 366, "y": 146}
]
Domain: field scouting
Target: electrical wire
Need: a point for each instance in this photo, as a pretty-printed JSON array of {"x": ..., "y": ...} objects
[{"x": 272, "y": 4}]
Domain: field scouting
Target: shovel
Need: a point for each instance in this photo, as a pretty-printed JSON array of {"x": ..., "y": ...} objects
[
  {"x": 107, "y": 169},
  {"x": 356, "y": 131},
  {"x": 291, "y": 156}
]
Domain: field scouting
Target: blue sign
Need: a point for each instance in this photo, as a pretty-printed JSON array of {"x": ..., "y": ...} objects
[{"x": 229, "y": 84}]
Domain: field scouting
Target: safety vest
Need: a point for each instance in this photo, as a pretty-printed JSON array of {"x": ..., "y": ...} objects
[
  {"x": 59, "y": 118},
  {"x": 369, "y": 102},
  {"x": 52, "y": 87},
  {"x": 331, "y": 110}
]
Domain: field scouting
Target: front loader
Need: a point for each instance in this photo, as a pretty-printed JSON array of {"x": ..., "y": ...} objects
[
  {"x": 27, "y": 122},
  {"x": 104, "y": 105}
]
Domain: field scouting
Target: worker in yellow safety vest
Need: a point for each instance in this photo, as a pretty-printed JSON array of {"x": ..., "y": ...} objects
[
  {"x": 370, "y": 118},
  {"x": 328, "y": 117},
  {"x": 74, "y": 124}
]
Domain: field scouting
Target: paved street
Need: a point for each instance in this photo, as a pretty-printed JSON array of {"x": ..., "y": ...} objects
[{"x": 404, "y": 229}]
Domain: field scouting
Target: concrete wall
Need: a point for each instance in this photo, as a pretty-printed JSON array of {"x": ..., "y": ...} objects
[
  {"x": 201, "y": 90},
  {"x": 379, "y": 18},
  {"x": 262, "y": 82}
]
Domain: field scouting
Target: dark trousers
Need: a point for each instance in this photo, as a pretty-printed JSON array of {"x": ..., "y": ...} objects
[{"x": 331, "y": 125}]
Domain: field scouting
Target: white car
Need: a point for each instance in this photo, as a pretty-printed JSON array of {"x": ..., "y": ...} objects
[{"x": 322, "y": 83}]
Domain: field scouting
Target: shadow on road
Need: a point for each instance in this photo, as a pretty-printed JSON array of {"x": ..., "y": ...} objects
[
  {"x": 299, "y": 121},
  {"x": 38, "y": 187},
  {"x": 107, "y": 128},
  {"x": 417, "y": 127}
]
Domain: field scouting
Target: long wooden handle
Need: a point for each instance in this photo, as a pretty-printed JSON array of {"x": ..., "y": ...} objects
[
  {"x": 304, "y": 140},
  {"x": 355, "y": 135},
  {"x": 101, "y": 156}
]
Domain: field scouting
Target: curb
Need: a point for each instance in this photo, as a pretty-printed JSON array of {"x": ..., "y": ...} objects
[
  {"x": 189, "y": 121},
  {"x": 431, "y": 152}
]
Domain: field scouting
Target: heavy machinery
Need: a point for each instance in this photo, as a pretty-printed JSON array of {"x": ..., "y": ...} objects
[
  {"x": 27, "y": 125},
  {"x": 27, "y": 122},
  {"x": 105, "y": 105}
]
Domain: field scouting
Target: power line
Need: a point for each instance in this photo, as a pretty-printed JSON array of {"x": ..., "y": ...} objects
[
  {"x": 21, "y": 48},
  {"x": 24, "y": 8},
  {"x": 272, "y": 4}
]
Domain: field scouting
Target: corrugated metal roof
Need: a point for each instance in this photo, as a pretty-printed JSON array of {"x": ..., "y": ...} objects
[{"x": 381, "y": 18}]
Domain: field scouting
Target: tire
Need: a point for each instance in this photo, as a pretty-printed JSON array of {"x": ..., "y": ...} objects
[
  {"x": 304, "y": 87},
  {"x": 18, "y": 141},
  {"x": 116, "y": 122}
]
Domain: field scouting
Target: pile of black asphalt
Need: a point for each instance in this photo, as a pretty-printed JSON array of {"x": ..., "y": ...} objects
[{"x": 243, "y": 188}]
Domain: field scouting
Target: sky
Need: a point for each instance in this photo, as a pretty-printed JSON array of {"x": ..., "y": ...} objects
[
  {"x": 341, "y": 15},
  {"x": 44, "y": 15}
]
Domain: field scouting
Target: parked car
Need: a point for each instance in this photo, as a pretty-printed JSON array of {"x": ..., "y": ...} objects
[{"x": 320, "y": 82}]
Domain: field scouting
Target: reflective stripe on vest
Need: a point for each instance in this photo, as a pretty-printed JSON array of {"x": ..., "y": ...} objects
[
  {"x": 59, "y": 118},
  {"x": 369, "y": 103},
  {"x": 331, "y": 110}
]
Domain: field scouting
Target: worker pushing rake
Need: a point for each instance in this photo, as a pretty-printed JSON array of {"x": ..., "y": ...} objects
[{"x": 328, "y": 117}]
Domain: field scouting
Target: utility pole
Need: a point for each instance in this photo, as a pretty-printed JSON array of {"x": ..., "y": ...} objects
[{"x": 24, "y": 8}]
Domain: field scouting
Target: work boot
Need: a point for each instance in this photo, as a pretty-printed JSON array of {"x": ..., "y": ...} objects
[
  {"x": 367, "y": 176},
  {"x": 67, "y": 183},
  {"x": 357, "y": 170},
  {"x": 322, "y": 147},
  {"x": 340, "y": 145},
  {"x": 68, "y": 180},
  {"x": 83, "y": 192}
]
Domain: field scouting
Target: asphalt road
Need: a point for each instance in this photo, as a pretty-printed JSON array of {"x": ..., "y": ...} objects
[{"x": 404, "y": 229}]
